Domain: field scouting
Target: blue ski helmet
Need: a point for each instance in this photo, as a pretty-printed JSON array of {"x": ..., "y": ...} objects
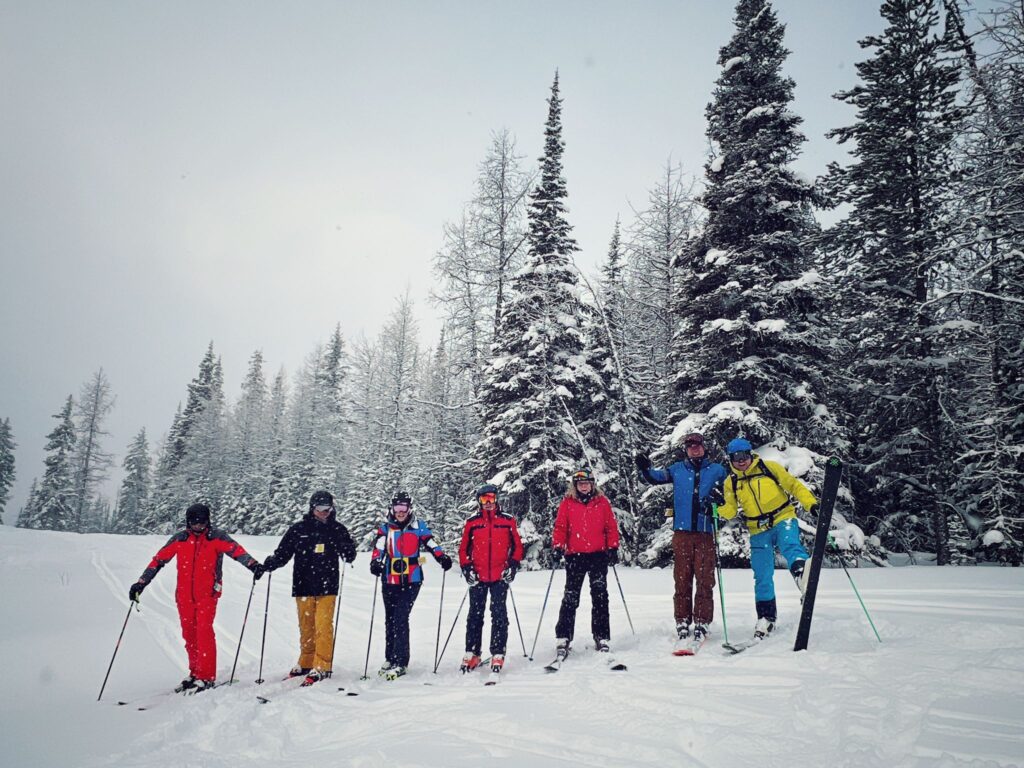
[{"x": 738, "y": 444}]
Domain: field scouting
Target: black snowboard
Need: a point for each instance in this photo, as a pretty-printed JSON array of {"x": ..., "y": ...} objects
[{"x": 833, "y": 473}]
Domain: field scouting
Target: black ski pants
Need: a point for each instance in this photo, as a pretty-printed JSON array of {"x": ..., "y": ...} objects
[
  {"x": 499, "y": 617},
  {"x": 594, "y": 565},
  {"x": 398, "y": 602}
]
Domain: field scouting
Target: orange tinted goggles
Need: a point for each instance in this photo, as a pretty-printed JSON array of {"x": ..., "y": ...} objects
[{"x": 487, "y": 498}]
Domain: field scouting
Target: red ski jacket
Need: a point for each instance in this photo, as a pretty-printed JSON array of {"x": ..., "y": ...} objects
[
  {"x": 585, "y": 527},
  {"x": 199, "y": 562},
  {"x": 490, "y": 541}
]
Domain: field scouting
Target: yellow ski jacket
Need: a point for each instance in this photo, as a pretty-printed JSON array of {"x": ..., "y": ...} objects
[{"x": 764, "y": 493}]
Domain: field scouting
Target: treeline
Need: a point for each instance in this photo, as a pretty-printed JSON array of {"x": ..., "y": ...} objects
[{"x": 891, "y": 338}]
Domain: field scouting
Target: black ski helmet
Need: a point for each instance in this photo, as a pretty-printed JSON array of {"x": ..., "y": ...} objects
[
  {"x": 484, "y": 489},
  {"x": 320, "y": 498},
  {"x": 197, "y": 513},
  {"x": 401, "y": 497}
]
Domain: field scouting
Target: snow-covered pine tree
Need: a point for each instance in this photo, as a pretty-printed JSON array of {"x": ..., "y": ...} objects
[
  {"x": 628, "y": 421},
  {"x": 7, "y": 446},
  {"x": 276, "y": 509},
  {"x": 749, "y": 350},
  {"x": 29, "y": 510},
  {"x": 52, "y": 506},
  {"x": 988, "y": 291},
  {"x": 888, "y": 253},
  {"x": 92, "y": 461},
  {"x": 532, "y": 395},
  {"x": 172, "y": 491},
  {"x": 133, "y": 497},
  {"x": 447, "y": 425}
]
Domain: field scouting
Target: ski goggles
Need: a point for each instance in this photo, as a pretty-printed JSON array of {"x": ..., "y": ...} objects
[
  {"x": 399, "y": 507},
  {"x": 487, "y": 498},
  {"x": 740, "y": 456},
  {"x": 693, "y": 441},
  {"x": 322, "y": 508},
  {"x": 583, "y": 477}
]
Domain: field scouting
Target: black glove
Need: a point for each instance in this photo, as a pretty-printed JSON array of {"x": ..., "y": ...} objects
[
  {"x": 510, "y": 573},
  {"x": 557, "y": 553},
  {"x": 716, "y": 496},
  {"x": 470, "y": 576},
  {"x": 612, "y": 555},
  {"x": 642, "y": 462},
  {"x": 349, "y": 554},
  {"x": 258, "y": 569},
  {"x": 135, "y": 590},
  {"x": 445, "y": 561},
  {"x": 377, "y": 567},
  {"x": 813, "y": 509}
]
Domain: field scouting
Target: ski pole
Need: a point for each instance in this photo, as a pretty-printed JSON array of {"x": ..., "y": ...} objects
[
  {"x": 373, "y": 610},
  {"x": 440, "y": 606},
  {"x": 337, "y": 614},
  {"x": 855, "y": 591},
  {"x": 241, "y": 634},
  {"x": 718, "y": 567},
  {"x": 456, "y": 621},
  {"x": 518, "y": 625},
  {"x": 263, "y": 642},
  {"x": 542, "y": 609},
  {"x": 623, "y": 596},
  {"x": 117, "y": 647}
]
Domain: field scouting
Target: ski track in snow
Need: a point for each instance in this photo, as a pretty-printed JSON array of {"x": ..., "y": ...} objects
[{"x": 944, "y": 688}]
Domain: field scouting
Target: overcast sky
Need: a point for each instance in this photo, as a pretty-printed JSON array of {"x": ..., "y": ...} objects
[{"x": 253, "y": 173}]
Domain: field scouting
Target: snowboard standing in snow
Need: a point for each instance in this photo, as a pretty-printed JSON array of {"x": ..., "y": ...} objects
[{"x": 830, "y": 488}]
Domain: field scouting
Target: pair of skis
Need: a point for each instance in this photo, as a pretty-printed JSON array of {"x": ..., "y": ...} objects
[{"x": 609, "y": 660}]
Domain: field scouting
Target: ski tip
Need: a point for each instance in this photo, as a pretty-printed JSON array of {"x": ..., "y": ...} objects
[
  {"x": 262, "y": 700},
  {"x": 683, "y": 652}
]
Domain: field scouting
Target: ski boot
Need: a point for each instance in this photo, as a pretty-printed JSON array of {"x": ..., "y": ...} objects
[
  {"x": 314, "y": 676},
  {"x": 497, "y": 662},
  {"x": 801, "y": 570},
  {"x": 700, "y": 633},
  {"x": 395, "y": 672},
  {"x": 561, "y": 648},
  {"x": 763, "y": 628},
  {"x": 601, "y": 645},
  {"x": 186, "y": 685},
  {"x": 202, "y": 685},
  {"x": 297, "y": 671},
  {"x": 469, "y": 662}
]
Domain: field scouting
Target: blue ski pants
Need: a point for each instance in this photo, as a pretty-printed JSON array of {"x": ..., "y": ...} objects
[{"x": 786, "y": 537}]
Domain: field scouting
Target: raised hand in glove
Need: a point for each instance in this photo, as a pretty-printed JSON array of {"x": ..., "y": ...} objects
[
  {"x": 642, "y": 462},
  {"x": 470, "y": 576},
  {"x": 377, "y": 567},
  {"x": 135, "y": 591},
  {"x": 510, "y": 572},
  {"x": 445, "y": 561},
  {"x": 612, "y": 555}
]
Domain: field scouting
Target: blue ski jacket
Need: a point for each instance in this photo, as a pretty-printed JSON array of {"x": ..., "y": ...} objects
[{"x": 692, "y": 486}]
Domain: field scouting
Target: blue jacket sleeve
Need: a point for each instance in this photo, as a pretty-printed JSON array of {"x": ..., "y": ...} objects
[{"x": 656, "y": 476}]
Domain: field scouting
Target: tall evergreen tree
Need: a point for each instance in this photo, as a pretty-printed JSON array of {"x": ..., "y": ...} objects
[
  {"x": 750, "y": 349},
  {"x": 535, "y": 389},
  {"x": 133, "y": 498},
  {"x": 889, "y": 252},
  {"x": 7, "y": 446},
  {"x": 92, "y": 460},
  {"x": 52, "y": 507}
]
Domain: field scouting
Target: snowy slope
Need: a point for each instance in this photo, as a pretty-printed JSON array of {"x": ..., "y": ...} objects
[{"x": 943, "y": 689}]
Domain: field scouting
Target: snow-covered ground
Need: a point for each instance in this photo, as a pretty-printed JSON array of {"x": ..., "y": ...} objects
[{"x": 943, "y": 689}]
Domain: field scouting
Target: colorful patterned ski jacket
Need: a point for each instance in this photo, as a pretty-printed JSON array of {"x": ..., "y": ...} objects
[
  {"x": 399, "y": 547},
  {"x": 764, "y": 493},
  {"x": 200, "y": 558},
  {"x": 585, "y": 526},
  {"x": 490, "y": 541}
]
